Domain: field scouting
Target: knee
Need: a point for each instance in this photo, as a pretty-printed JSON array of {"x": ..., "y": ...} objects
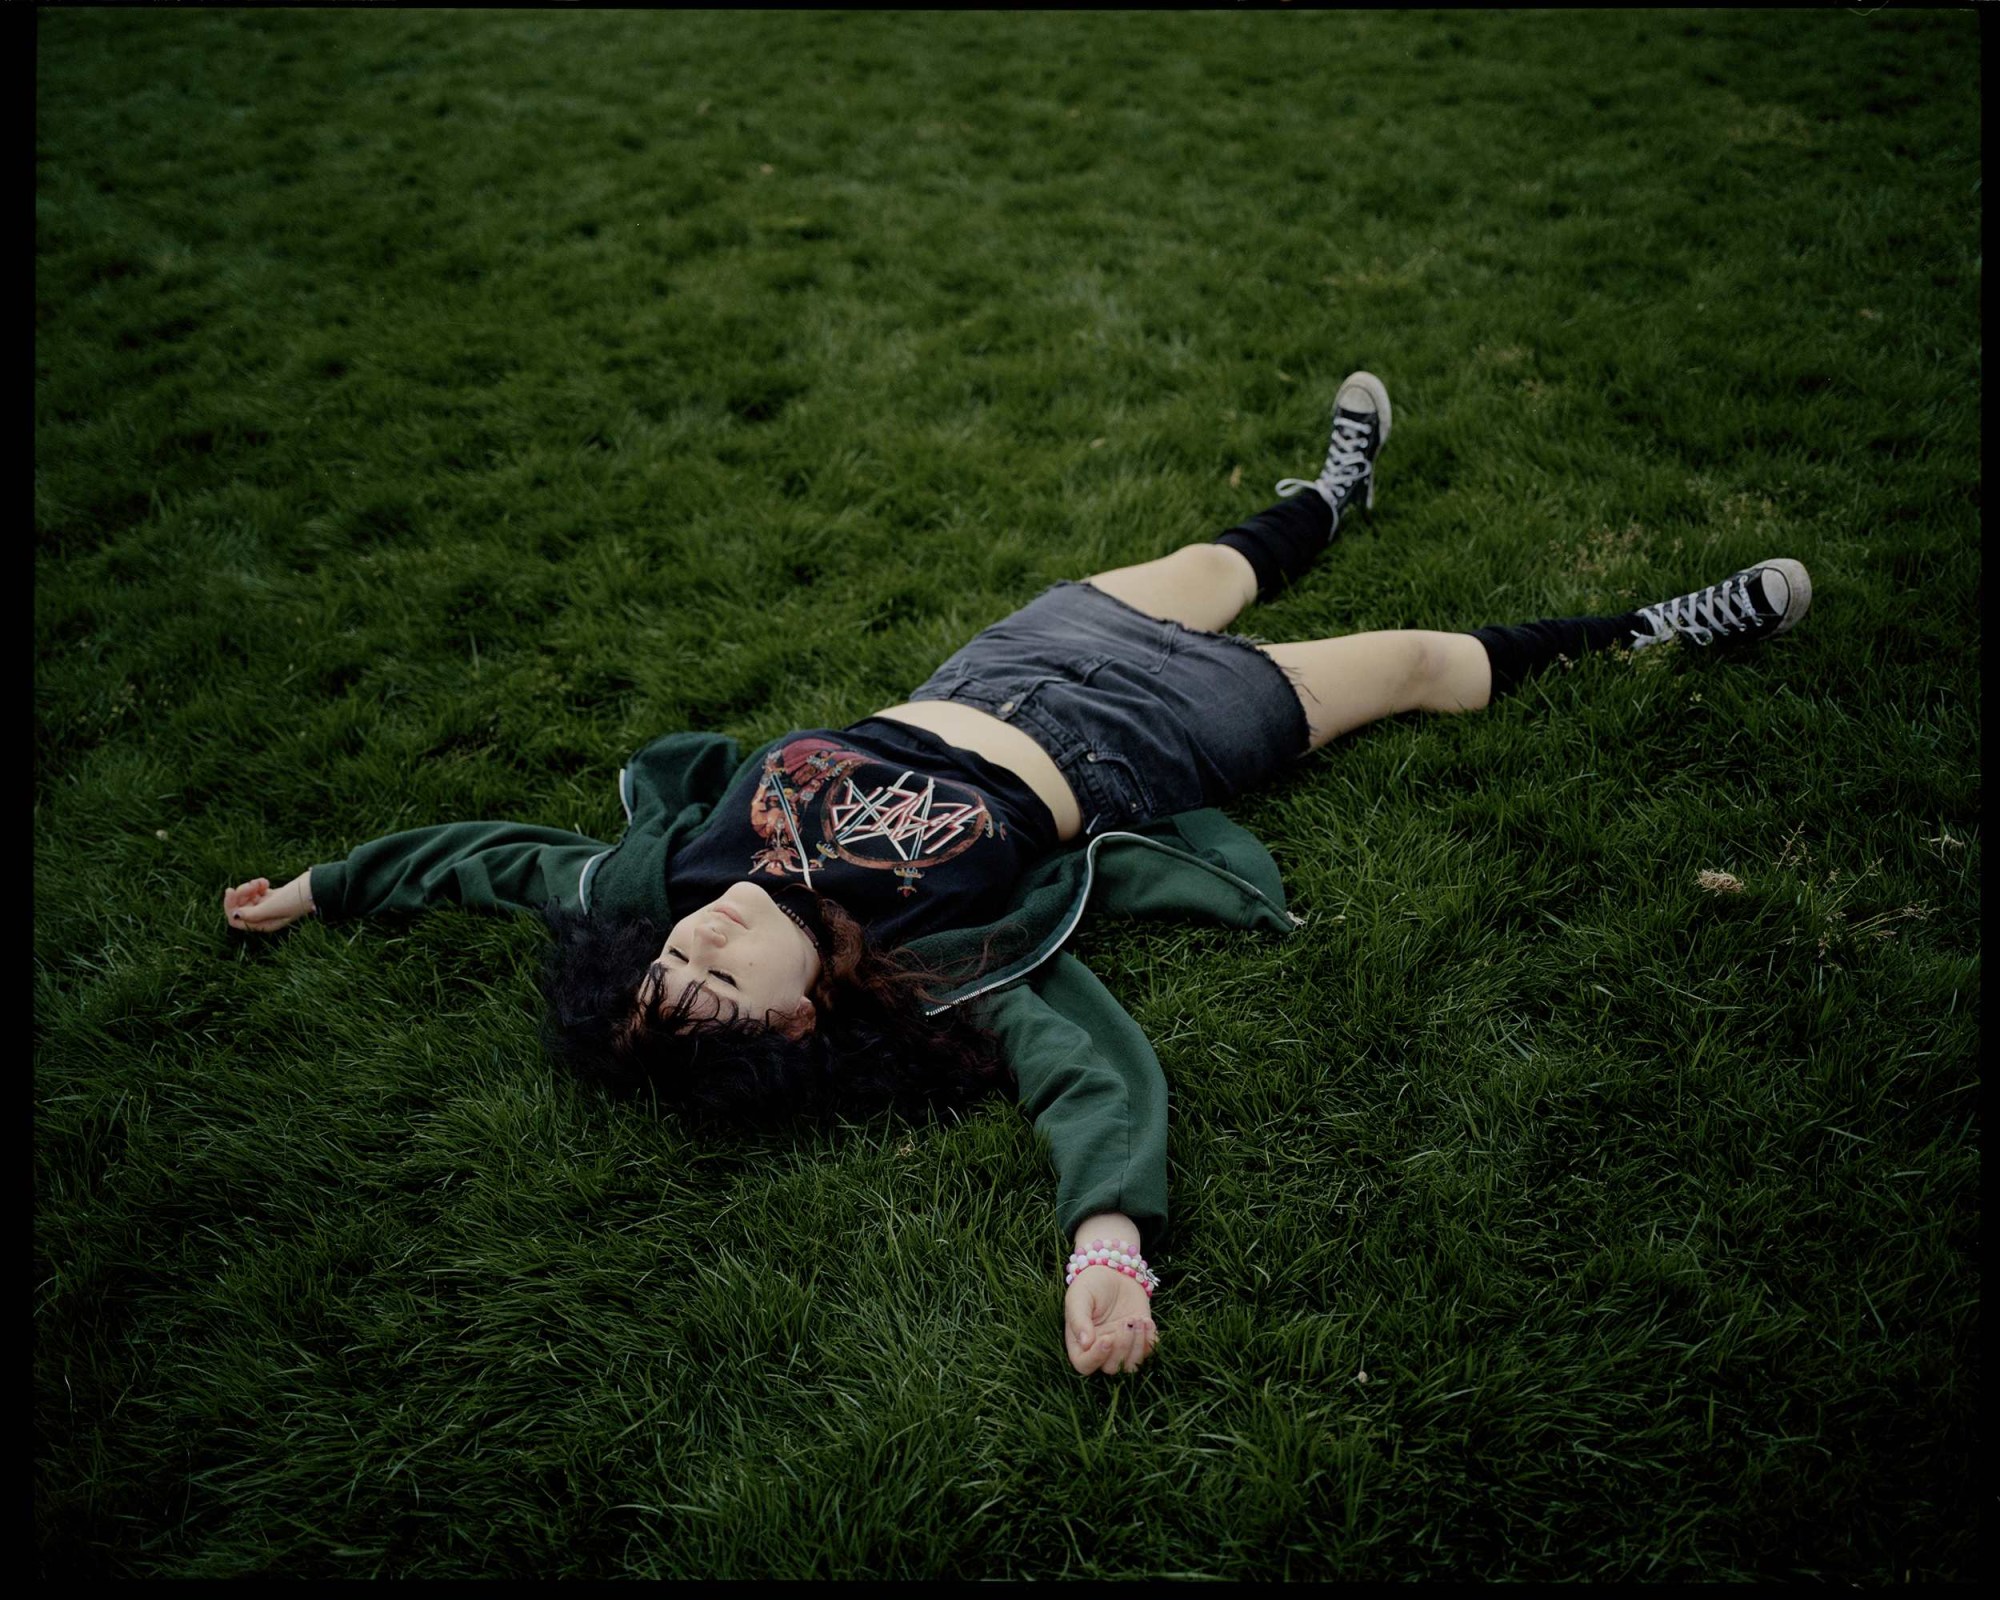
[
  {"x": 1425, "y": 666},
  {"x": 1222, "y": 571},
  {"x": 1441, "y": 672}
]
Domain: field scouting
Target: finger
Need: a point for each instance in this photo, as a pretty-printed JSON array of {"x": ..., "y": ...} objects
[
  {"x": 1108, "y": 1338},
  {"x": 1076, "y": 1319},
  {"x": 1118, "y": 1349}
]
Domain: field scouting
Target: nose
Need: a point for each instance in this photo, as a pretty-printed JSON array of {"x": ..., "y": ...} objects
[{"x": 712, "y": 933}]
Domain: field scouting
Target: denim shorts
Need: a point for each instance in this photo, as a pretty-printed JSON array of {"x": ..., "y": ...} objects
[{"x": 1145, "y": 718}]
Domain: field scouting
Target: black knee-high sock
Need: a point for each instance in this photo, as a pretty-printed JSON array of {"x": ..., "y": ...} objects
[
  {"x": 1283, "y": 541},
  {"x": 1520, "y": 650}
]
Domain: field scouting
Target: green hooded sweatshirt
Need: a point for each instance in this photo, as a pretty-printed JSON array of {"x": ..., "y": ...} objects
[{"x": 1087, "y": 1076}]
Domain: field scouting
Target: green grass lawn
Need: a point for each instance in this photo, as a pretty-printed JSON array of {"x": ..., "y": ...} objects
[{"x": 433, "y": 406}]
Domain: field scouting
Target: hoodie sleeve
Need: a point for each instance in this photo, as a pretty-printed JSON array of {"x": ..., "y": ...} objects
[
  {"x": 1094, "y": 1089},
  {"x": 482, "y": 866}
]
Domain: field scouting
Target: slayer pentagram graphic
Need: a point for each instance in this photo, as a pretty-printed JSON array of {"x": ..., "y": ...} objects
[{"x": 825, "y": 799}]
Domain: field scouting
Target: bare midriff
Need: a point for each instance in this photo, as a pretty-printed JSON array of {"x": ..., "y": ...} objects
[{"x": 1004, "y": 745}]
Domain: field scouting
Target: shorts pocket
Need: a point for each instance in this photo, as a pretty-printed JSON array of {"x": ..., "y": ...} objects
[
  {"x": 1114, "y": 791},
  {"x": 1135, "y": 639}
]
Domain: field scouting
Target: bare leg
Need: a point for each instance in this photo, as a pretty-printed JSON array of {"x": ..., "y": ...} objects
[
  {"x": 1348, "y": 682},
  {"x": 1343, "y": 683},
  {"x": 1199, "y": 585}
]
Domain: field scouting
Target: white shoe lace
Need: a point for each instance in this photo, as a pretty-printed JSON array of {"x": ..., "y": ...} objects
[
  {"x": 1346, "y": 461},
  {"x": 1722, "y": 608}
]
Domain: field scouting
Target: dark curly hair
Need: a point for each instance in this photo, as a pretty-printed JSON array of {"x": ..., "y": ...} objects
[{"x": 874, "y": 1048}]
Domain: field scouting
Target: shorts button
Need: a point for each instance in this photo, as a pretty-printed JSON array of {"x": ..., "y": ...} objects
[{"x": 1007, "y": 709}]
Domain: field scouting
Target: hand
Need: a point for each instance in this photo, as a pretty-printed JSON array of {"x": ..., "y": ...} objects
[
  {"x": 1107, "y": 1322},
  {"x": 256, "y": 907}
]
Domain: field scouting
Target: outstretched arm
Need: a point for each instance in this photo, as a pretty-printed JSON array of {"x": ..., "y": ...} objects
[
  {"x": 1093, "y": 1086},
  {"x": 481, "y": 866},
  {"x": 258, "y": 908},
  {"x": 1107, "y": 1318}
]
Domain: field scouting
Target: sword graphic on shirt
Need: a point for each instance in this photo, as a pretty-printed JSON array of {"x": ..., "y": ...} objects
[{"x": 902, "y": 826}]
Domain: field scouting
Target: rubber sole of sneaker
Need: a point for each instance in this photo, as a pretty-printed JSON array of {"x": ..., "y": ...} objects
[
  {"x": 1798, "y": 587},
  {"x": 1377, "y": 391}
]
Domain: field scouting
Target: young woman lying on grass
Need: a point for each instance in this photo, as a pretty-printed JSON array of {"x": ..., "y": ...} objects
[{"x": 874, "y": 916}]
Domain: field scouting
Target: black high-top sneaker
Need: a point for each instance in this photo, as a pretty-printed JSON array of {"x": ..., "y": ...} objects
[
  {"x": 1360, "y": 428},
  {"x": 1759, "y": 602}
]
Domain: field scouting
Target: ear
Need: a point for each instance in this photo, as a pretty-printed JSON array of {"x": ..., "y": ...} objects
[{"x": 800, "y": 1021}]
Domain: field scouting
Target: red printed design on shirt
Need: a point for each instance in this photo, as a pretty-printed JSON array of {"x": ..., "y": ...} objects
[{"x": 848, "y": 807}]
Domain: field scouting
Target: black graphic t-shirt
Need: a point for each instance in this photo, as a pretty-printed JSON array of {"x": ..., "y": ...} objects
[{"x": 911, "y": 834}]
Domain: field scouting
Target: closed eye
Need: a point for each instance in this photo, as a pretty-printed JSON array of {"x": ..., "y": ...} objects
[{"x": 714, "y": 972}]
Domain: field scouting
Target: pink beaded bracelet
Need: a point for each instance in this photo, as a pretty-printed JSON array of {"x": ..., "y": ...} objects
[{"x": 1119, "y": 1257}]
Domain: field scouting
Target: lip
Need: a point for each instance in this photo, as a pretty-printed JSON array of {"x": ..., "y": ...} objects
[{"x": 732, "y": 916}]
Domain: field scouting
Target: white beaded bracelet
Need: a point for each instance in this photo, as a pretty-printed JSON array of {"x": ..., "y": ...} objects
[{"x": 1119, "y": 1257}]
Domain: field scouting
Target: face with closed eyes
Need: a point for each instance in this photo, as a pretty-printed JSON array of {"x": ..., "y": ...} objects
[{"x": 743, "y": 958}]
